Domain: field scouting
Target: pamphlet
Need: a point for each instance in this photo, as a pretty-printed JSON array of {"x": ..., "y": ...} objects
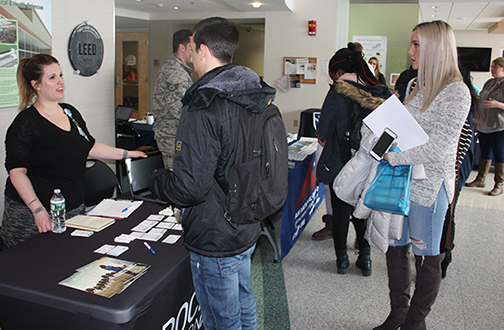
[
  {"x": 116, "y": 209},
  {"x": 91, "y": 223},
  {"x": 106, "y": 276},
  {"x": 302, "y": 148}
]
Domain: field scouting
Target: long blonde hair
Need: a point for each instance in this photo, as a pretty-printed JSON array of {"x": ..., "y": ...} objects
[
  {"x": 31, "y": 69},
  {"x": 437, "y": 63}
]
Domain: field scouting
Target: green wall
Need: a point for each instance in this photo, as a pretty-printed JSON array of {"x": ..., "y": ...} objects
[{"x": 395, "y": 21}]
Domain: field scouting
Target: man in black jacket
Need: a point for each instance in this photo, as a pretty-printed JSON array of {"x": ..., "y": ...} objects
[{"x": 205, "y": 151}]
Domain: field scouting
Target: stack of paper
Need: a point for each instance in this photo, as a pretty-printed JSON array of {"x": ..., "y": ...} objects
[
  {"x": 119, "y": 209},
  {"x": 300, "y": 149},
  {"x": 87, "y": 222},
  {"x": 106, "y": 276}
]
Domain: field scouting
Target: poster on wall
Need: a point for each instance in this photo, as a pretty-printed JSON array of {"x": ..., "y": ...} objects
[
  {"x": 25, "y": 30},
  {"x": 374, "y": 46}
]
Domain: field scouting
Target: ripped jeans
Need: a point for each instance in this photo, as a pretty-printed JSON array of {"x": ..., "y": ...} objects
[{"x": 424, "y": 226}]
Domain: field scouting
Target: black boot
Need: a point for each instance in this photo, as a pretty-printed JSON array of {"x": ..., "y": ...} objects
[
  {"x": 426, "y": 289},
  {"x": 399, "y": 275},
  {"x": 342, "y": 261},
  {"x": 364, "y": 261}
]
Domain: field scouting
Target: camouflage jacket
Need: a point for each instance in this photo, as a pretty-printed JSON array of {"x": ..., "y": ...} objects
[{"x": 173, "y": 79}]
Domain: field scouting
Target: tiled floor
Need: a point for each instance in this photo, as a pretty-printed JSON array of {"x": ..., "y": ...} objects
[{"x": 471, "y": 296}]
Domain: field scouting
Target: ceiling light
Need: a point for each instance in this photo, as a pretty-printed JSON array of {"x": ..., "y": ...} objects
[
  {"x": 433, "y": 15},
  {"x": 256, "y": 4},
  {"x": 434, "y": 7},
  {"x": 176, "y": 8},
  {"x": 138, "y": 0},
  {"x": 160, "y": 5}
]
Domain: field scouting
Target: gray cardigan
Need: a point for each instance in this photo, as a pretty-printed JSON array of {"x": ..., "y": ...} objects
[{"x": 442, "y": 121}]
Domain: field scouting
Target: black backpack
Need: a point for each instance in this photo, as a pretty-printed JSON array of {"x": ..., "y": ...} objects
[{"x": 258, "y": 178}]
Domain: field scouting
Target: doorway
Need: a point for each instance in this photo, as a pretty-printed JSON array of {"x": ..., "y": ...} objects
[{"x": 131, "y": 72}]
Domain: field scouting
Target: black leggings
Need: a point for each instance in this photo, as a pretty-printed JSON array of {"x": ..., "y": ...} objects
[{"x": 341, "y": 218}]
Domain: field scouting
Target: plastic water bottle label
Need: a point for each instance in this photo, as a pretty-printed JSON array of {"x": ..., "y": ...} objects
[{"x": 56, "y": 207}]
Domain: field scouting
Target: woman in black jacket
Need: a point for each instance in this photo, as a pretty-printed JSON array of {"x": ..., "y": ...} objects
[{"x": 354, "y": 94}]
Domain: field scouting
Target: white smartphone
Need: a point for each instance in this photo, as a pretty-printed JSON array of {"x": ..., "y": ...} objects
[{"x": 383, "y": 144}]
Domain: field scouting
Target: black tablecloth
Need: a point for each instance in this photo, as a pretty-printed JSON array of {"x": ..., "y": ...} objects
[{"x": 31, "y": 298}]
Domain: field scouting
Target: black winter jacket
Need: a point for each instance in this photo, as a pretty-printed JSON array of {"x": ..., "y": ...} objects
[
  {"x": 346, "y": 101},
  {"x": 205, "y": 149}
]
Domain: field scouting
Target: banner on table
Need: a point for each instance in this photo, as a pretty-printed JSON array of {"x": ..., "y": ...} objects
[{"x": 302, "y": 202}]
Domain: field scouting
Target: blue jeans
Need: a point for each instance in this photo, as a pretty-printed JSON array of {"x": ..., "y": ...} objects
[
  {"x": 424, "y": 226},
  {"x": 492, "y": 143},
  {"x": 222, "y": 287}
]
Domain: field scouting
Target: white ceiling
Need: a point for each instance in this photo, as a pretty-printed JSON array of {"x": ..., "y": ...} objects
[
  {"x": 460, "y": 14},
  {"x": 463, "y": 14}
]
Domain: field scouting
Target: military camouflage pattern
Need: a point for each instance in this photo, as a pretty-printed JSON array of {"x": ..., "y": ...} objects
[{"x": 173, "y": 80}]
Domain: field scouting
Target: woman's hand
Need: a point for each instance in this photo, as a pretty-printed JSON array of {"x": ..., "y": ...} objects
[
  {"x": 136, "y": 154},
  {"x": 385, "y": 157},
  {"x": 24, "y": 188},
  {"x": 103, "y": 151},
  {"x": 43, "y": 222},
  {"x": 491, "y": 103}
]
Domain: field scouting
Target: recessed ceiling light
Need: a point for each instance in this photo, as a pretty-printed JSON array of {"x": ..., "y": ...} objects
[
  {"x": 434, "y": 7},
  {"x": 433, "y": 15},
  {"x": 176, "y": 8},
  {"x": 160, "y": 5},
  {"x": 256, "y": 4},
  {"x": 138, "y": 0},
  {"x": 462, "y": 18}
]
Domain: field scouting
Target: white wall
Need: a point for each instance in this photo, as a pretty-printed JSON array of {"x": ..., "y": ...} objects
[
  {"x": 93, "y": 96},
  {"x": 481, "y": 39},
  {"x": 287, "y": 35}
]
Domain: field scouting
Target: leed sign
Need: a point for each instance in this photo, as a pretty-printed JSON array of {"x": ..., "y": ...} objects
[{"x": 85, "y": 49}]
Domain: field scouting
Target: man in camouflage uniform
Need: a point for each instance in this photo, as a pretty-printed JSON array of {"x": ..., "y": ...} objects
[{"x": 173, "y": 79}]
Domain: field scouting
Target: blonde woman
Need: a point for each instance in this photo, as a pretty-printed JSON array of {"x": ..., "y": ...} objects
[
  {"x": 375, "y": 64},
  {"x": 440, "y": 103}
]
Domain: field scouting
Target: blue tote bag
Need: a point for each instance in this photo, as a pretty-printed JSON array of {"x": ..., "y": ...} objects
[{"x": 390, "y": 189}]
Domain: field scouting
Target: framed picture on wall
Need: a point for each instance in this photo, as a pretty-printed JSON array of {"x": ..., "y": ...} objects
[{"x": 393, "y": 78}]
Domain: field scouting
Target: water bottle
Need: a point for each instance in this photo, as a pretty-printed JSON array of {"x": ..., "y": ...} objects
[{"x": 58, "y": 212}]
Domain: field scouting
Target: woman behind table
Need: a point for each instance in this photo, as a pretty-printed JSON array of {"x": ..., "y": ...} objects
[
  {"x": 45, "y": 149},
  {"x": 440, "y": 103},
  {"x": 355, "y": 93},
  {"x": 491, "y": 129},
  {"x": 375, "y": 64}
]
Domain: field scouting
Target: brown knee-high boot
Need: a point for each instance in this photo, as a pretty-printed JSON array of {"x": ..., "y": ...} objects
[
  {"x": 399, "y": 274},
  {"x": 428, "y": 281},
  {"x": 483, "y": 168},
  {"x": 499, "y": 179}
]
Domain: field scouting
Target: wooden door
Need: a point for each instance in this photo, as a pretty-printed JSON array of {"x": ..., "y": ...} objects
[{"x": 131, "y": 72}]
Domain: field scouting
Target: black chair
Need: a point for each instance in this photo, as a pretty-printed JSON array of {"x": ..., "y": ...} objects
[
  {"x": 127, "y": 137},
  {"x": 100, "y": 182}
]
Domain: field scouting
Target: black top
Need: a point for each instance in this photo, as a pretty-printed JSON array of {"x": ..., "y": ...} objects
[
  {"x": 403, "y": 80},
  {"x": 54, "y": 158},
  {"x": 381, "y": 79}
]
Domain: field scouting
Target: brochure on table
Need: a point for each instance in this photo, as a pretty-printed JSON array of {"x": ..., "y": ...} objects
[
  {"x": 116, "y": 209},
  {"x": 106, "y": 276},
  {"x": 86, "y": 222},
  {"x": 302, "y": 148}
]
